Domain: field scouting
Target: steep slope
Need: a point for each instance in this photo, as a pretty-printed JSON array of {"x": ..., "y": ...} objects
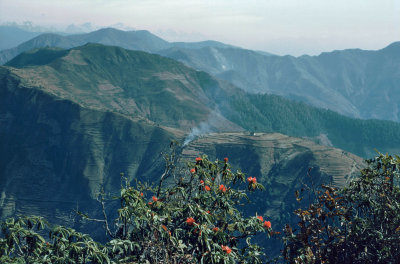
[
  {"x": 130, "y": 82},
  {"x": 271, "y": 113},
  {"x": 166, "y": 92},
  {"x": 56, "y": 154},
  {"x": 72, "y": 120},
  {"x": 355, "y": 83}
]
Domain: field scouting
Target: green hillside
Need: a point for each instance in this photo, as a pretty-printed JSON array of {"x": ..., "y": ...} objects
[
  {"x": 356, "y": 83},
  {"x": 133, "y": 83},
  {"x": 166, "y": 92},
  {"x": 271, "y": 113},
  {"x": 72, "y": 120}
]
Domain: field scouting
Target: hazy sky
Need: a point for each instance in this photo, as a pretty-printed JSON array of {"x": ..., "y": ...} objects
[{"x": 279, "y": 26}]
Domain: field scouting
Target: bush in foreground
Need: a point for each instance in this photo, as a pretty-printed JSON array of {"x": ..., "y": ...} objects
[
  {"x": 357, "y": 224},
  {"x": 190, "y": 217},
  {"x": 194, "y": 217}
]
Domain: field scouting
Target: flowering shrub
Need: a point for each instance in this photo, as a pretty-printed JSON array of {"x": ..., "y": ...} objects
[
  {"x": 357, "y": 224},
  {"x": 194, "y": 219},
  {"x": 190, "y": 217}
]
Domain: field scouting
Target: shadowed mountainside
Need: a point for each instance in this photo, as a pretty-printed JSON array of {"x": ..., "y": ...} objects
[
  {"x": 356, "y": 83},
  {"x": 166, "y": 92},
  {"x": 72, "y": 120}
]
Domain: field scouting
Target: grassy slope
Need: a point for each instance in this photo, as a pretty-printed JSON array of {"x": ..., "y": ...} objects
[{"x": 169, "y": 93}]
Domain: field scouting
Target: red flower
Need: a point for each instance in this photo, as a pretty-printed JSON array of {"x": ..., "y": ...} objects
[
  {"x": 193, "y": 170},
  {"x": 260, "y": 218},
  {"x": 222, "y": 188},
  {"x": 226, "y": 160},
  {"x": 150, "y": 203},
  {"x": 267, "y": 224},
  {"x": 215, "y": 229},
  {"x": 208, "y": 212},
  {"x": 201, "y": 182},
  {"x": 141, "y": 194},
  {"x": 252, "y": 180},
  {"x": 207, "y": 188},
  {"x": 226, "y": 249},
  {"x": 155, "y": 199},
  {"x": 190, "y": 221},
  {"x": 198, "y": 159}
]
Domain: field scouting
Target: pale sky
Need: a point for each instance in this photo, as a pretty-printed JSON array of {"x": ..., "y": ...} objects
[{"x": 282, "y": 27}]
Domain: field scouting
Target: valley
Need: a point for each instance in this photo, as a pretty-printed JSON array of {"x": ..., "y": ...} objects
[{"x": 75, "y": 116}]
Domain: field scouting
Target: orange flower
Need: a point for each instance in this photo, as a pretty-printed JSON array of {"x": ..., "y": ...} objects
[
  {"x": 198, "y": 159},
  {"x": 226, "y": 249},
  {"x": 155, "y": 199},
  {"x": 190, "y": 221},
  {"x": 150, "y": 203},
  {"x": 222, "y": 188},
  {"x": 260, "y": 218},
  {"x": 141, "y": 194},
  {"x": 193, "y": 170},
  {"x": 201, "y": 181},
  {"x": 252, "y": 180},
  {"x": 207, "y": 188},
  {"x": 215, "y": 229},
  {"x": 267, "y": 224},
  {"x": 164, "y": 227},
  {"x": 226, "y": 160}
]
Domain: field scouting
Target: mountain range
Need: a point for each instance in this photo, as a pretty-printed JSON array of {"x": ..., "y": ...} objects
[
  {"x": 73, "y": 118},
  {"x": 12, "y": 36},
  {"x": 168, "y": 93},
  {"x": 356, "y": 83}
]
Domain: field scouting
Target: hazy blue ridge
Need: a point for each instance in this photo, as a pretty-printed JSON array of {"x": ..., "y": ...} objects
[
  {"x": 171, "y": 94},
  {"x": 356, "y": 83},
  {"x": 11, "y": 36}
]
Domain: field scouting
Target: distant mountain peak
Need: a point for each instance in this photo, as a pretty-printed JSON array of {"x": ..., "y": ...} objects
[{"x": 393, "y": 46}]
